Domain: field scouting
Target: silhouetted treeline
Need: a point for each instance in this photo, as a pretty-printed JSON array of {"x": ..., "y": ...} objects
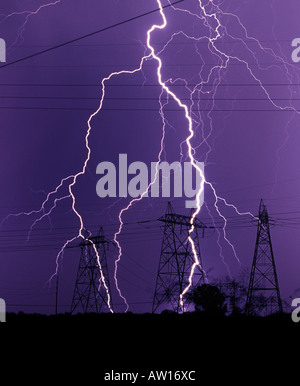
[{"x": 167, "y": 318}]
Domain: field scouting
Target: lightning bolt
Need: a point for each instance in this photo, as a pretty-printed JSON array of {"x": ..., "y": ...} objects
[
  {"x": 214, "y": 16},
  {"x": 210, "y": 14},
  {"x": 70, "y": 182},
  {"x": 209, "y": 18},
  {"x": 28, "y": 14},
  {"x": 185, "y": 108}
]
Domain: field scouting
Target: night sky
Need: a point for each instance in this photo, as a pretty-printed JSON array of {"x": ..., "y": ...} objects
[{"x": 246, "y": 119}]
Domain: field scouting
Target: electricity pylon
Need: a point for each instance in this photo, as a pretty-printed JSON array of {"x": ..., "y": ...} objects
[
  {"x": 177, "y": 259},
  {"x": 90, "y": 293},
  {"x": 263, "y": 296}
]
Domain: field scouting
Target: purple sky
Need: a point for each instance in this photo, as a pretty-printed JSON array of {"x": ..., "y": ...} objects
[{"x": 45, "y": 103}]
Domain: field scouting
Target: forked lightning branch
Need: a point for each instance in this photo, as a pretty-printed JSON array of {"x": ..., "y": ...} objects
[{"x": 133, "y": 180}]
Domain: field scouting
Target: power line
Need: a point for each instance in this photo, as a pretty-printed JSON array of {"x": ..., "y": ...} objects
[
  {"x": 148, "y": 85},
  {"x": 262, "y": 185},
  {"x": 285, "y": 109},
  {"x": 232, "y": 221},
  {"x": 53, "y": 66},
  {"x": 144, "y": 98},
  {"x": 88, "y": 35},
  {"x": 163, "y": 44}
]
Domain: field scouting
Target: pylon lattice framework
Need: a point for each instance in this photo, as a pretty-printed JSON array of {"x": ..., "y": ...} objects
[
  {"x": 177, "y": 259},
  {"x": 90, "y": 294},
  {"x": 263, "y": 295}
]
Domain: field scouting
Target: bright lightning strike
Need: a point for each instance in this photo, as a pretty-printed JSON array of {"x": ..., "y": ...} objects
[
  {"x": 188, "y": 142},
  {"x": 209, "y": 18},
  {"x": 211, "y": 15}
]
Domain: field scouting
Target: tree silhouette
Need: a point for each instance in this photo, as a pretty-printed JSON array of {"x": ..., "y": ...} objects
[
  {"x": 235, "y": 292},
  {"x": 208, "y": 298}
]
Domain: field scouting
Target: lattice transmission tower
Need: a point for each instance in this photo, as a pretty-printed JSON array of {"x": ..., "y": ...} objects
[
  {"x": 90, "y": 294},
  {"x": 177, "y": 259},
  {"x": 263, "y": 295}
]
